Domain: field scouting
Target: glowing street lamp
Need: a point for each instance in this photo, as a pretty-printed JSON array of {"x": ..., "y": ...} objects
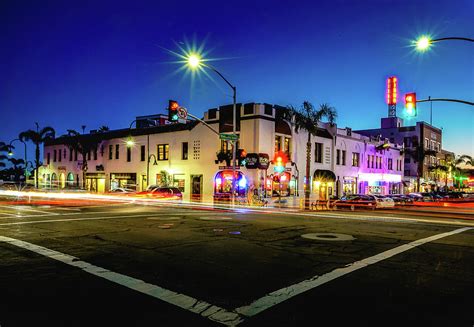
[
  {"x": 194, "y": 61},
  {"x": 424, "y": 42}
]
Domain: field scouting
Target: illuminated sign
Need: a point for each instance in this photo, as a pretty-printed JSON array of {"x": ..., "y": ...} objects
[{"x": 392, "y": 85}]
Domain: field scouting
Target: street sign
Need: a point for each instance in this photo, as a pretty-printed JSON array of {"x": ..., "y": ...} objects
[
  {"x": 182, "y": 112},
  {"x": 228, "y": 137}
]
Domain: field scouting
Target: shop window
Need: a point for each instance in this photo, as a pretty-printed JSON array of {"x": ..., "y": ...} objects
[
  {"x": 318, "y": 152},
  {"x": 163, "y": 151},
  {"x": 184, "y": 151},
  {"x": 142, "y": 153},
  {"x": 129, "y": 154},
  {"x": 111, "y": 152},
  {"x": 355, "y": 159},
  {"x": 178, "y": 181},
  {"x": 117, "y": 151}
]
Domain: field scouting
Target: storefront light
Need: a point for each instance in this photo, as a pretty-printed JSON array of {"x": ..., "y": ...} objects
[
  {"x": 218, "y": 181},
  {"x": 243, "y": 182},
  {"x": 317, "y": 184}
]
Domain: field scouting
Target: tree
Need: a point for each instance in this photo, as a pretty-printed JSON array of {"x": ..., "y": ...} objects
[
  {"x": 103, "y": 129},
  {"x": 83, "y": 144},
  {"x": 18, "y": 168},
  {"x": 38, "y": 137},
  {"x": 3, "y": 148},
  {"x": 418, "y": 153},
  {"x": 307, "y": 118},
  {"x": 455, "y": 165}
]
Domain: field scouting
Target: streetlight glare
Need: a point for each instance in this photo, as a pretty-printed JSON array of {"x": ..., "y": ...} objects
[
  {"x": 423, "y": 43},
  {"x": 130, "y": 143},
  {"x": 194, "y": 60}
]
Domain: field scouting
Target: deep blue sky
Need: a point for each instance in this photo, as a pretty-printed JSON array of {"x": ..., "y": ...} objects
[{"x": 72, "y": 63}]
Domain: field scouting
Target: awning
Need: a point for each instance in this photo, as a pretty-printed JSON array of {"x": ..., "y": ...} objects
[{"x": 323, "y": 175}]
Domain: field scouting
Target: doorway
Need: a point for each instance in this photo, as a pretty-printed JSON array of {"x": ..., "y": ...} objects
[{"x": 196, "y": 188}]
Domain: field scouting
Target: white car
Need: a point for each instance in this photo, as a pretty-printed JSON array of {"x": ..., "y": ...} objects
[{"x": 383, "y": 201}]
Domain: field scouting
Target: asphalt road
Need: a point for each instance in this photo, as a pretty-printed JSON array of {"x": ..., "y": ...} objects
[{"x": 164, "y": 265}]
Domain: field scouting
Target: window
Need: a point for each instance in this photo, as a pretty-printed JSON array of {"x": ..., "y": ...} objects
[
  {"x": 338, "y": 157},
  {"x": 142, "y": 153},
  {"x": 75, "y": 155},
  {"x": 343, "y": 157},
  {"x": 163, "y": 151},
  {"x": 318, "y": 152},
  {"x": 406, "y": 142},
  {"x": 286, "y": 145},
  {"x": 129, "y": 154},
  {"x": 355, "y": 159},
  {"x": 248, "y": 109},
  {"x": 427, "y": 143},
  {"x": 268, "y": 110},
  {"x": 372, "y": 164},
  {"x": 277, "y": 143},
  {"x": 70, "y": 154},
  {"x": 178, "y": 181},
  {"x": 95, "y": 154},
  {"x": 117, "y": 153},
  {"x": 225, "y": 146},
  {"x": 368, "y": 161},
  {"x": 111, "y": 151},
  {"x": 48, "y": 158},
  {"x": 55, "y": 154},
  {"x": 60, "y": 152},
  {"x": 89, "y": 155},
  {"x": 184, "y": 152},
  {"x": 390, "y": 163}
]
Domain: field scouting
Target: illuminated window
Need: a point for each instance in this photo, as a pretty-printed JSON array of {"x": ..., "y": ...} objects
[
  {"x": 277, "y": 143},
  {"x": 163, "y": 151},
  {"x": 355, "y": 159},
  {"x": 286, "y": 146}
]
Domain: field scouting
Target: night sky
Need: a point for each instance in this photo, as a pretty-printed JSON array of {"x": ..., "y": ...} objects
[{"x": 70, "y": 63}]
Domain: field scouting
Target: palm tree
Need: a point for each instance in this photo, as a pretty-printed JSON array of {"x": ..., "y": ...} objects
[
  {"x": 418, "y": 153},
  {"x": 438, "y": 170},
  {"x": 3, "y": 148},
  {"x": 103, "y": 129},
  {"x": 455, "y": 163},
  {"x": 83, "y": 144},
  {"x": 37, "y": 137},
  {"x": 307, "y": 118},
  {"x": 17, "y": 168}
]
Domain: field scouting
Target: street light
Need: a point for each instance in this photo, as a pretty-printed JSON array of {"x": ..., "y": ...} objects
[
  {"x": 424, "y": 42},
  {"x": 10, "y": 153},
  {"x": 195, "y": 61}
]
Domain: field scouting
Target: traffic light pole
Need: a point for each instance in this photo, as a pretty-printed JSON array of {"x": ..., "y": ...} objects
[{"x": 449, "y": 100}]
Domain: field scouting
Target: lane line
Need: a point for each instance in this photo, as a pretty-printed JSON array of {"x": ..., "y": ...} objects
[
  {"x": 183, "y": 301},
  {"x": 283, "y": 294},
  {"x": 21, "y": 208}
]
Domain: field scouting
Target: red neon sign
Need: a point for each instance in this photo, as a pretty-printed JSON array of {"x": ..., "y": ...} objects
[{"x": 392, "y": 85}]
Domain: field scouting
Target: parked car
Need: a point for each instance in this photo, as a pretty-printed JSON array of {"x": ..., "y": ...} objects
[
  {"x": 169, "y": 193},
  {"x": 401, "y": 198},
  {"x": 363, "y": 201}
]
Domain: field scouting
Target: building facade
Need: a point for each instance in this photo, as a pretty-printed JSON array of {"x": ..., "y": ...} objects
[{"x": 192, "y": 156}]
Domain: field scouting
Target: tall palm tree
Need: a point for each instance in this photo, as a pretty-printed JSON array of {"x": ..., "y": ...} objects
[
  {"x": 83, "y": 144},
  {"x": 3, "y": 148},
  {"x": 38, "y": 137},
  {"x": 307, "y": 118}
]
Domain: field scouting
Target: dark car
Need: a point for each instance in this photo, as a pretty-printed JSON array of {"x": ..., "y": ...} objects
[
  {"x": 401, "y": 198},
  {"x": 363, "y": 201}
]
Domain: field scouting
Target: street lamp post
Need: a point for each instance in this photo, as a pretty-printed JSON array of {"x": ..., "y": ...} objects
[
  {"x": 195, "y": 61},
  {"x": 424, "y": 42},
  {"x": 10, "y": 153},
  {"x": 148, "y": 155}
]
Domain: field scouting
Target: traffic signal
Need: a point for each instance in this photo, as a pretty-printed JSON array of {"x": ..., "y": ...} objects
[
  {"x": 279, "y": 161},
  {"x": 410, "y": 104},
  {"x": 241, "y": 155},
  {"x": 173, "y": 107}
]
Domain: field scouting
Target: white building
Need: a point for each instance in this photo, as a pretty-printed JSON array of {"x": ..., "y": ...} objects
[{"x": 185, "y": 155}]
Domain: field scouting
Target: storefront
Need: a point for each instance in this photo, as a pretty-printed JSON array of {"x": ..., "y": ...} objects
[
  {"x": 376, "y": 183},
  {"x": 323, "y": 183},
  {"x": 281, "y": 184},
  {"x": 349, "y": 185},
  {"x": 223, "y": 185},
  {"x": 95, "y": 182},
  {"x": 124, "y": 180}
]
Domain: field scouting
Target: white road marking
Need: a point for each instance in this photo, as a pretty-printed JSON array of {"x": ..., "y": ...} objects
[
  {"x": 286, "y": 293},
  {"x": 191, "y": 304}
]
